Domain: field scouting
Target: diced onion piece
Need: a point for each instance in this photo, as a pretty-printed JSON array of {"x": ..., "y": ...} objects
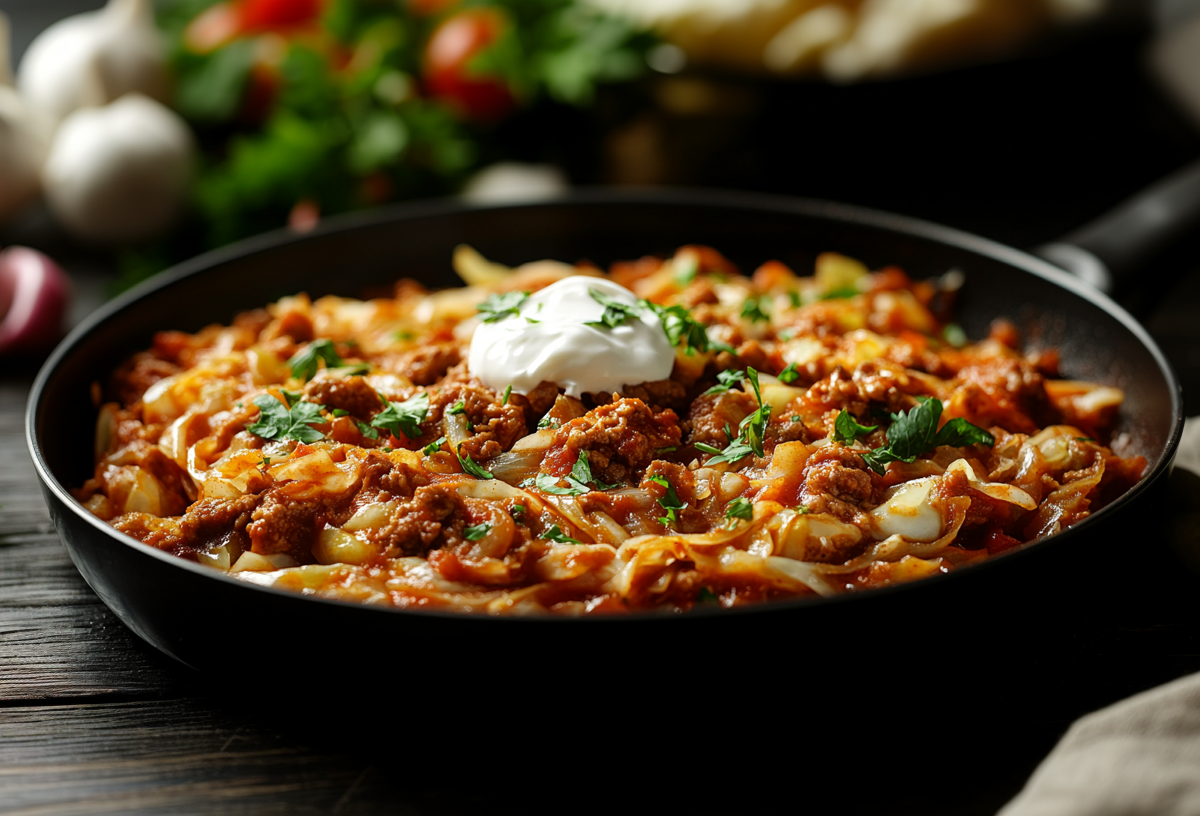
[
  {"x": 333, "y": 546},
  {"x": 1003, "y": 492},
  {"x": 907, "y": 512},
  {"x": 370, "y": 516},
  {"x": 476, "y": 270},
  {"x": 253, "y": 562}
]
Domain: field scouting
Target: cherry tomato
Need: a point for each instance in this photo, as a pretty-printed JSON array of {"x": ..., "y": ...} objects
[
  {"x": 451, "y": 47},
  {"x": 274, "y": 15}
]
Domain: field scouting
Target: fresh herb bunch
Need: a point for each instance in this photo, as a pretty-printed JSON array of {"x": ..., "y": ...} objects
[
  {"x": 911, "y": 434},
  {"x": 335, "y": 105}
]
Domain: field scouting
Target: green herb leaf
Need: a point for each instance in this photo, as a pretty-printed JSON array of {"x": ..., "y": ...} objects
[
  {"x": 548, "y": 422},
  {"x": 615, "y": 314},
  {"x": 434, "y": 446},
  {"x": 291, "y": 421},
  {"x": 686, "y": 269},
  {"x": 582, "y": 472},
  {"x": 958, "y": 432},
  {"x": 752, "y": 310},
  {"x": 954, "y": 335},
  {"x": 549, "y": 484},
  {"x": 507, "y": 394},
  {"x": 841, "y": 294},
  {"x": 789, "y": 375},
  {"x": 680, "y": 327},
  {"x": 846, "y": 428},
  {"x": 670, "y": 502},
  {"x": 726, "y": 379},
  {"x": 501, "y": 305},
  {"x": 916, "y": 432},
  {"x": 750, "y": 431},
  {"x": 404, "y": 417},
  {"x": 556, "y": 535},
  {"x": 476, "y": 532},
  {"x": 368, "y": 431},
  {"x": 469, "y": 466},
  {"x": 305, "y": 363},
  {"x": 740, "y": 508}
]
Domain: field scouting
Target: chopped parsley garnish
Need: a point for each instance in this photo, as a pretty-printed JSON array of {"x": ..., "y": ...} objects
[
  {"x": 507, "y": 394},
  {"x": 797, "y": 418},
  {"x": 794, "y": 297},
  {"x": 556, "y": 535},
  {"x": 469, "y": 466},
  {"x": 916, "y": 432},
  {"x": 750, "y": 431},
  {"x": 954, "y": 335},
  {"x": 680, "y": 327},
  {"x": 306, "y": 362},
  {"x": 670, "y": 502},
  {"x": 841, "y": 294},
  {"x": 752, "y": 310},
  {"x": 477, "y": 531},
  {"x": 549, "y": 484},
  {"x": 517, "y": 510},
  {"x": 340, "y": 412},
  {"x": 404, "y": 334},
  {"x": 460, "y": 407},
  {"x": 726, "y": 380},
  {"x": 789, "y": 375},
  {"x": 368, "y": 431},
  {"x": 686, "y": 269},
  {"x": 548, "y": 422},
  {"x": 846, "y": 428},
  {"x": 500, "y": 305},
  {"x": 291, "y": 421},
  {"x": 615, "y": 314},
  {"x": 668, "y": 449},
  {"x": 434, "y": 446},
  {"x": 706, "y": 595},
  {"x": 582, "y": 472},
  {"x": 740, "y": 508},
  {"x": 802, "y": 509},
  {"x": 404, "y": 417}
]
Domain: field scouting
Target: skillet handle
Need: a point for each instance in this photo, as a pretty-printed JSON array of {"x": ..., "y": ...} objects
[{"x": 1111, "y": 250}]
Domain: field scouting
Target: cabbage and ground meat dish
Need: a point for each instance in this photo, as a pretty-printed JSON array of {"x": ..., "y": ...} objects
[{"x": 664, "y": 435}]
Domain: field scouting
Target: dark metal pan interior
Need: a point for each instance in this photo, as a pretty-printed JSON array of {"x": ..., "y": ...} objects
[{"x": 153, "y": 592}]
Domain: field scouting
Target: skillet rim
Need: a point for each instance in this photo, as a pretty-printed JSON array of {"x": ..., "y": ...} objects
[{"x": 861, "y": 217}]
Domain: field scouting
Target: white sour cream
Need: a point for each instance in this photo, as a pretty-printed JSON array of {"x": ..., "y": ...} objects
[{"x": 560, "y": 347}]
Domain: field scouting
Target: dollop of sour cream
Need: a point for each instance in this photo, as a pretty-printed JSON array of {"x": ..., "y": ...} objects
[{"x": 549, "y": 340}]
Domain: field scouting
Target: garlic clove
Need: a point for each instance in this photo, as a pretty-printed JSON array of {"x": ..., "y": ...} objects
[
  {"x": 93, "y": 58},
  {"x": 22, "y": 139},
  {"x": 119, "y": 174}
]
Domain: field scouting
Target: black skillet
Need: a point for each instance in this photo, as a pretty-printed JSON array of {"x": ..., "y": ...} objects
[{"x": 220, "y": 624}]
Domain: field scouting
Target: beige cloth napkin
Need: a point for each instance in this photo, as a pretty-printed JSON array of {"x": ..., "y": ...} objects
[{"x": 1140, "y": 757}]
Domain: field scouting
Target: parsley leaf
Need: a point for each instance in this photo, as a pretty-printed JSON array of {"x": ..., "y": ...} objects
[
  {"x": 915, "y": 432},
  {"x": 368, "y": 431},
  {"x": 434, "y": 446},
  {"x": 706, "y": 595},
  {"x": 789, "y": 375},
  {"x": 507, "y": 394},
  {"x": 686, "y": 269},
  {"x": 753, "y": 311},
  {"x": 846, "y": 428},
  {"x": 556, "y": 535},
  {"x": 726, "y": 379},
  {"x": 582, "y": 472},
  {"x": 615, "y": 314},
  {"x": 469, "y": 466},
  {"x": 404, "y": 417},
  {"x": 548, "y": 422},
  {"x": 291, "y": 421},
  {"x": 549, "y": 484},
  {"x": 476, "y": 532},
  {"x": 680, "y": 327},
  {"x": 500, "y": 305},
  {"x": 670, "y": 502},
  {"x": 750, "y": 430},
  {"x": 740, "y": 508},
  {"x": 306, "y": 362}
]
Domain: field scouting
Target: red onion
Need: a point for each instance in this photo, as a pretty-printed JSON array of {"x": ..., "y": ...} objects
[{"x": 33, "y": 300}]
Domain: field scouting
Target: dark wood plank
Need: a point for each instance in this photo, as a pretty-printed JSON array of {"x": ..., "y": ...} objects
[
  {"x": 178, "y": 756},
  {"x": 57, "y": 640},
  {"x": 22, "y": 509}
]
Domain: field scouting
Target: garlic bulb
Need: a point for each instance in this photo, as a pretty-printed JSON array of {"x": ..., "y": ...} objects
[
  {"x": 93, "y": 58},
  {"x": 22, "y": 139},
  {"x": 119, "y": 174}
]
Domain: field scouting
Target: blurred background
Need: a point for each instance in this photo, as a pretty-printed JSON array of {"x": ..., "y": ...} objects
[{"x": 146, "y": 131}]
